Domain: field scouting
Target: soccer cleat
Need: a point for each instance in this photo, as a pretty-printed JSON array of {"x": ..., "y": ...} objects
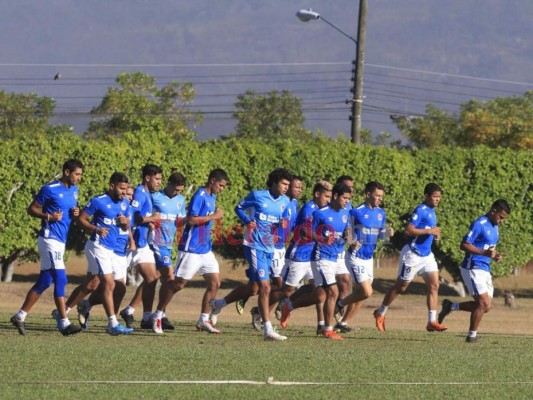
[
  {"x": 285, "y": 314},
  {"x": 157, "y": 325},
  {"x": 446, "y": 309},
  {"x": 215, "y": 310},
  {"x": 239, "y": 306},
  {"x": 279, "y": 307},
  {"x": 342, "y": 328},
  {"x": 119, "y": 330},
  {"x": 319, "y": 330},
  {"x": 434, "y": 326},
  {"x": 57, "y": 317},
  {"x": 70, "y": 330},
  {"x": 273, "y": 336},
  {"x": 146, "y": 324},
  {"x": 166, "y": 325},
  {"x": 128, "y": 319},
  {"x": 256, "y": 319},
  {"x": 21, "y": 327},
  {"x": 206, "y": 326},
  {"x": 475, "y": 339},
  {"x": 339, "y": 312},
  {"x": 213, "y": 319},
  {"x": 83, "y": 314},
  {"x": 332, "y": 335},
  {"x": 380, "y": 321}
]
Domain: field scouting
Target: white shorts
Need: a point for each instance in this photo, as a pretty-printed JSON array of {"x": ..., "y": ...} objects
[
  {"x": 190, "y": 263},
  {"x": 120, "y": 267},
  {"x": 297, "y": 272},
  {"x": 324, "y": 272},
  {"x": 478, "y": 281},
  {"x": 278, "y": 261},
  {"x": 361, "y": 270},
  {"x": 51, "y": 252},
  {"x": 143, "y": 255},
  {"x": 340, "y": 268},
  {"x": 99, "y": 258},
  {"x": 411, "y": 264}
]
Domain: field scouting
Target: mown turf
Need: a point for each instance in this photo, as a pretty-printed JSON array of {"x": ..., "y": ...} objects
[{"x": 398, "y": 364}]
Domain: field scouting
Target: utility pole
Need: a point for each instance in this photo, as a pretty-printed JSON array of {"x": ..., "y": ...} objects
[{"x": 357, "y": 102}]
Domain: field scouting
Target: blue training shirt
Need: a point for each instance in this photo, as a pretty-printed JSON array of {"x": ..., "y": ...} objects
[
  {"x": 121, "y": 245},
  {"x": 423, "y": 217},
  {"x": 105, "y": 211},
  {"x": 197, "y": 238},
  {"x": 142, "y": 205},
  {"x": 328, "y": 222},
  {"x": 260, "y": 206},
  {"x": 483, "y": 235},
  {"x": 368, "y": 225},
  {"x": 53, "y": 197},
  {"x": 302, "y": 242},
  {"x": 170, "y": 209},
  {"x": 287, "y": 226}
]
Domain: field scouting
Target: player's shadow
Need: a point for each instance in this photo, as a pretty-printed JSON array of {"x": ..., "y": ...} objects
[
  {"x": 72, "y": 279},
  {"x": 383, "y": 285}
]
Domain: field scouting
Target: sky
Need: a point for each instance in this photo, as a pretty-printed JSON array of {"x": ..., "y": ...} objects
[{"x": 417, "y": 52}]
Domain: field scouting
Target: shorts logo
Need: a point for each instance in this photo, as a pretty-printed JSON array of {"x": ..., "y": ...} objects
[{"x": 261, "y": 273}]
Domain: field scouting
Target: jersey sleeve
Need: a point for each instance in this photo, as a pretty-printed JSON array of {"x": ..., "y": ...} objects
[
  {"x": 43, "y": 195},
  {"x": 91, "y": 206},
  {"x": 473, "y": 232},
  {"x": 241, "y": 208},
  {"x": 195, "y": 206}
]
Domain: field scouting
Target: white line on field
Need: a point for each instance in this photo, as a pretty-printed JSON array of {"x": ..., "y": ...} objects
[{"x": 269, "y": 381}]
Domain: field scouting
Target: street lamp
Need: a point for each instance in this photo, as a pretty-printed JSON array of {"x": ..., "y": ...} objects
[{"x": 357, "y": 99}]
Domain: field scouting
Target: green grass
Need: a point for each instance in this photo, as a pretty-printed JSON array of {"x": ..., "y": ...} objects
[{"x": 403, "y": 364}]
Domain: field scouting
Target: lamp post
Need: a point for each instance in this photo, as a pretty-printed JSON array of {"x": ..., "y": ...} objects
[{"x": 357, "y": 99}]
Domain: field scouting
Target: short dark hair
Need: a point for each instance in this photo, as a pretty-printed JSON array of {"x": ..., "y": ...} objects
[
  {"x": 501, "y": 205},
  {"x": 118, "y": 177},
  {"x": 340, "y": 188},
  {"x": 373, "y": 185},
  {"x": 343, "y": 178},
  {"x": 72, "y": 164},
  {"x": 297, "y": 178},
  {"x": 278, "y": 175},
  {"x": 431, "y": 188},
  {"x": 176, "y": 179},
  {"x": 218, "y": 174},
  {"x": 151, "y": 170}
]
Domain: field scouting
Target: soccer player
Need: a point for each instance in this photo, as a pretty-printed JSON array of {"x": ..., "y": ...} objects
[
  {"x": 104, "y": 217},
  {"x": 261, "y": 211},
  {"x": 368, "y": 223},
  {"x": 56, "y": 205},
  {"x": 195, "y": 255},
  {"x": 299, "y": 255},
  {"x": 330, "y": 229},
  {"x": 479, "y": 245},
  {"x": 284, "y": 231},
  {"x": 143, "y": 257},
  {"x": 416, "y": 258}
]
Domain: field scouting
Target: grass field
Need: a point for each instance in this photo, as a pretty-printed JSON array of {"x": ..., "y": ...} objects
[{"x": 405, "y": 362}]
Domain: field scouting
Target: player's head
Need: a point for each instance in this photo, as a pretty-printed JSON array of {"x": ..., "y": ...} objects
[
  {"x": 295, "y": 188},
  {"x": 217, "y": 180},
  {"x": 347, "y": 180},
  {"x": 341, "y": 195},
  {"x": 72, "y": 171},
  {"x": 152, "y": 176},
  {"x": 322, "y": 193},
  {"x": 175, "y": 185},
  {"x": 118, "y": 185},
  {"x": 278, "y": 181},
  {"x": 433, "y": 194},
  {"x": 499, "y": 210},
  {"x": 374, "y": 193},
  {"x": 129, "y": 192}
]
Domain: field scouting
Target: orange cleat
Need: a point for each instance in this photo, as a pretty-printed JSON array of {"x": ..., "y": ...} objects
[
  {"x": 285, "y": 314},
  {"x": 380, "y": 321},
  {"x": 332, "y": 335},
  {"x": 435, "y": 327}
]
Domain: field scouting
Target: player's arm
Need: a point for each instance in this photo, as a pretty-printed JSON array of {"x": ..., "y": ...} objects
[
  {"x": 240, "y": 210},
  {"x": 89, "y": 227},
  {"x": 36, "y": 210},
  {"x": 201, "y": 220},
  {"x": 411, "y": 230}
]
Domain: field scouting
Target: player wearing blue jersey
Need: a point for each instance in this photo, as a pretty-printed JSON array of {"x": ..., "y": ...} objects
[
  {"x": 56, "y": 205},
  {"x": 261, "y": 211},
  {"x": 299, "y": 254},
  {"x": 104, "y": 217},
  {"x": 143, "y": 258},
  {"x": 416, "y": 258},
  {"x": 330, "y": 229},
  {"x": 479, "y": 245},
  {"x": 368, "y": 223},
  {"x": 195, "y": 255}
]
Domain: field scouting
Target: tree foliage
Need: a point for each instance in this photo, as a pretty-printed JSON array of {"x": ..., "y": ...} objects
[
  {"x": 276, "y": 115},
  {"x": 501, "y": 122},
  {"x": 138, "y": 103}
]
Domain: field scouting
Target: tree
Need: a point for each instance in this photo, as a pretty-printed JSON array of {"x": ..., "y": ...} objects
[
  {"x": 269, "y": 117},
  {"x": 138, "y": 103},
  {"x": 501, "y": 122}
]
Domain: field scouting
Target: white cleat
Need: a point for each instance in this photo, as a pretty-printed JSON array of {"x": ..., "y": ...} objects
[
  {"x": 206, "y": 326},
  {"x": 215, "y": 311},
  {"x": 157, "y": 325},
  {"x": 273, "y": 336}
]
